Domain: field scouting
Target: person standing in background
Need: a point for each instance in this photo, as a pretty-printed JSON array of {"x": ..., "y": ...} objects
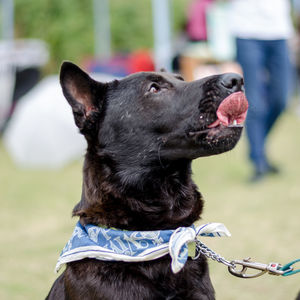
[
  {"x": 296, "y": 16},
  {"x": 262, "y": 29},
  {"x": 196, "y": 20}
]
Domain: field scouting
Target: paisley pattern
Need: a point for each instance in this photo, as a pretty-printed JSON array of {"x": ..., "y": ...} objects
[{"x": 110, "y": 244}]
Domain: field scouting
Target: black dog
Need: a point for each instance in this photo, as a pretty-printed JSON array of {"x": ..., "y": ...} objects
[{"x": 143, "y": 132}]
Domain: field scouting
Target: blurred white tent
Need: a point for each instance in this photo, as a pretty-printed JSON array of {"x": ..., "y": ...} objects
[
  {"x": 42, "y": 132},
  {"x": 16, "y": 55}
]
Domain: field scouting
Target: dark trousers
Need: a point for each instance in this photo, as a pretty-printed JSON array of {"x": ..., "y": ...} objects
[{"x": 267, "y": 75}]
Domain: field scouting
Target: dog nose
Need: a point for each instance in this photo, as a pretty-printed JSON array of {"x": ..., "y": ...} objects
[{"x": 233, "y": 82}]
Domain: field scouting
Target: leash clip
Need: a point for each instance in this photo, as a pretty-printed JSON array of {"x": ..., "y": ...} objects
[{"x": 271, "y": 268}]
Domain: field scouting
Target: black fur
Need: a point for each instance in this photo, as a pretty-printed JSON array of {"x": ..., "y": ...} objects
[{"x": 143, "y": 132}]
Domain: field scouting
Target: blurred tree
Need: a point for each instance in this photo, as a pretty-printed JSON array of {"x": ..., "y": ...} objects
[{"x": 68, "y": 26}]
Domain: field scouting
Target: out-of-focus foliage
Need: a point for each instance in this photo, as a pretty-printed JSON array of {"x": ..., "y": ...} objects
[{"x": 68, "y": 26}]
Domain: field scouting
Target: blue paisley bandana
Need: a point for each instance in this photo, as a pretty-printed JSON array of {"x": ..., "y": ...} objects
[{"x": 109, "y": 244}]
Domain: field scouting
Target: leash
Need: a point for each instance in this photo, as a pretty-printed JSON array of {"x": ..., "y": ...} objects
[{"x": 246, "y": 264}]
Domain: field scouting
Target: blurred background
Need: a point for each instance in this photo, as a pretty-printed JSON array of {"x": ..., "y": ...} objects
[{"x": 41, "y": 152}]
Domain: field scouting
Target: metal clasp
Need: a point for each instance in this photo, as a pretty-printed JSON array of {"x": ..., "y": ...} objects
[{"x": 271, "y": 268}]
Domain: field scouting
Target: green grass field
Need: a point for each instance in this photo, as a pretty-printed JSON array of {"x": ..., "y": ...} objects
[{"x": 35, "y": 219}]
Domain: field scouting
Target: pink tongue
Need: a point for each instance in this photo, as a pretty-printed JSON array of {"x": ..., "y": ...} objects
[{"x": 232, "y": 110}]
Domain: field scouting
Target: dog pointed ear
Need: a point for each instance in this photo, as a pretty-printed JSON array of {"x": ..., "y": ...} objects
[{"x": 85, "y": 95}]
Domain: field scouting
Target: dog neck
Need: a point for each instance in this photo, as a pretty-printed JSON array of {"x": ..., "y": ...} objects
[{"x": 163, "y": 198}]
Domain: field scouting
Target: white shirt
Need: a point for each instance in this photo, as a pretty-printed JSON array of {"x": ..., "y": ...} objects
[{"x": 261, "y": 19}]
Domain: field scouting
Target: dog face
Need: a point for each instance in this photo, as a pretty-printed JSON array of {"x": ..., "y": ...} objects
[{"x": 148, "y": 117}]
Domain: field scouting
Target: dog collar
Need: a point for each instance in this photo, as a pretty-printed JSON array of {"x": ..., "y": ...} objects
[{"x": 108, "y": 244}]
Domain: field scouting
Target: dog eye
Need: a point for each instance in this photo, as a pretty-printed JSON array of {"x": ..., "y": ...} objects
[{"x": 154, "y": 88}]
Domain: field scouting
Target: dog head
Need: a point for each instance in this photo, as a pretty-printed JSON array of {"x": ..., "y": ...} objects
[
  {"x": 142, "y": 133},
  {"x": 156, "y": 116}
]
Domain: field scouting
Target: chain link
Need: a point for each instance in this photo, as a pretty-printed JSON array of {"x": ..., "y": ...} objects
[
  {"x": 203, "y": 249},
  {"x": 271, "y": 268}
]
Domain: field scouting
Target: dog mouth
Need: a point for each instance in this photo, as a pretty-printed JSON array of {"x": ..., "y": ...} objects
[{"x": 230, "y": 114}]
